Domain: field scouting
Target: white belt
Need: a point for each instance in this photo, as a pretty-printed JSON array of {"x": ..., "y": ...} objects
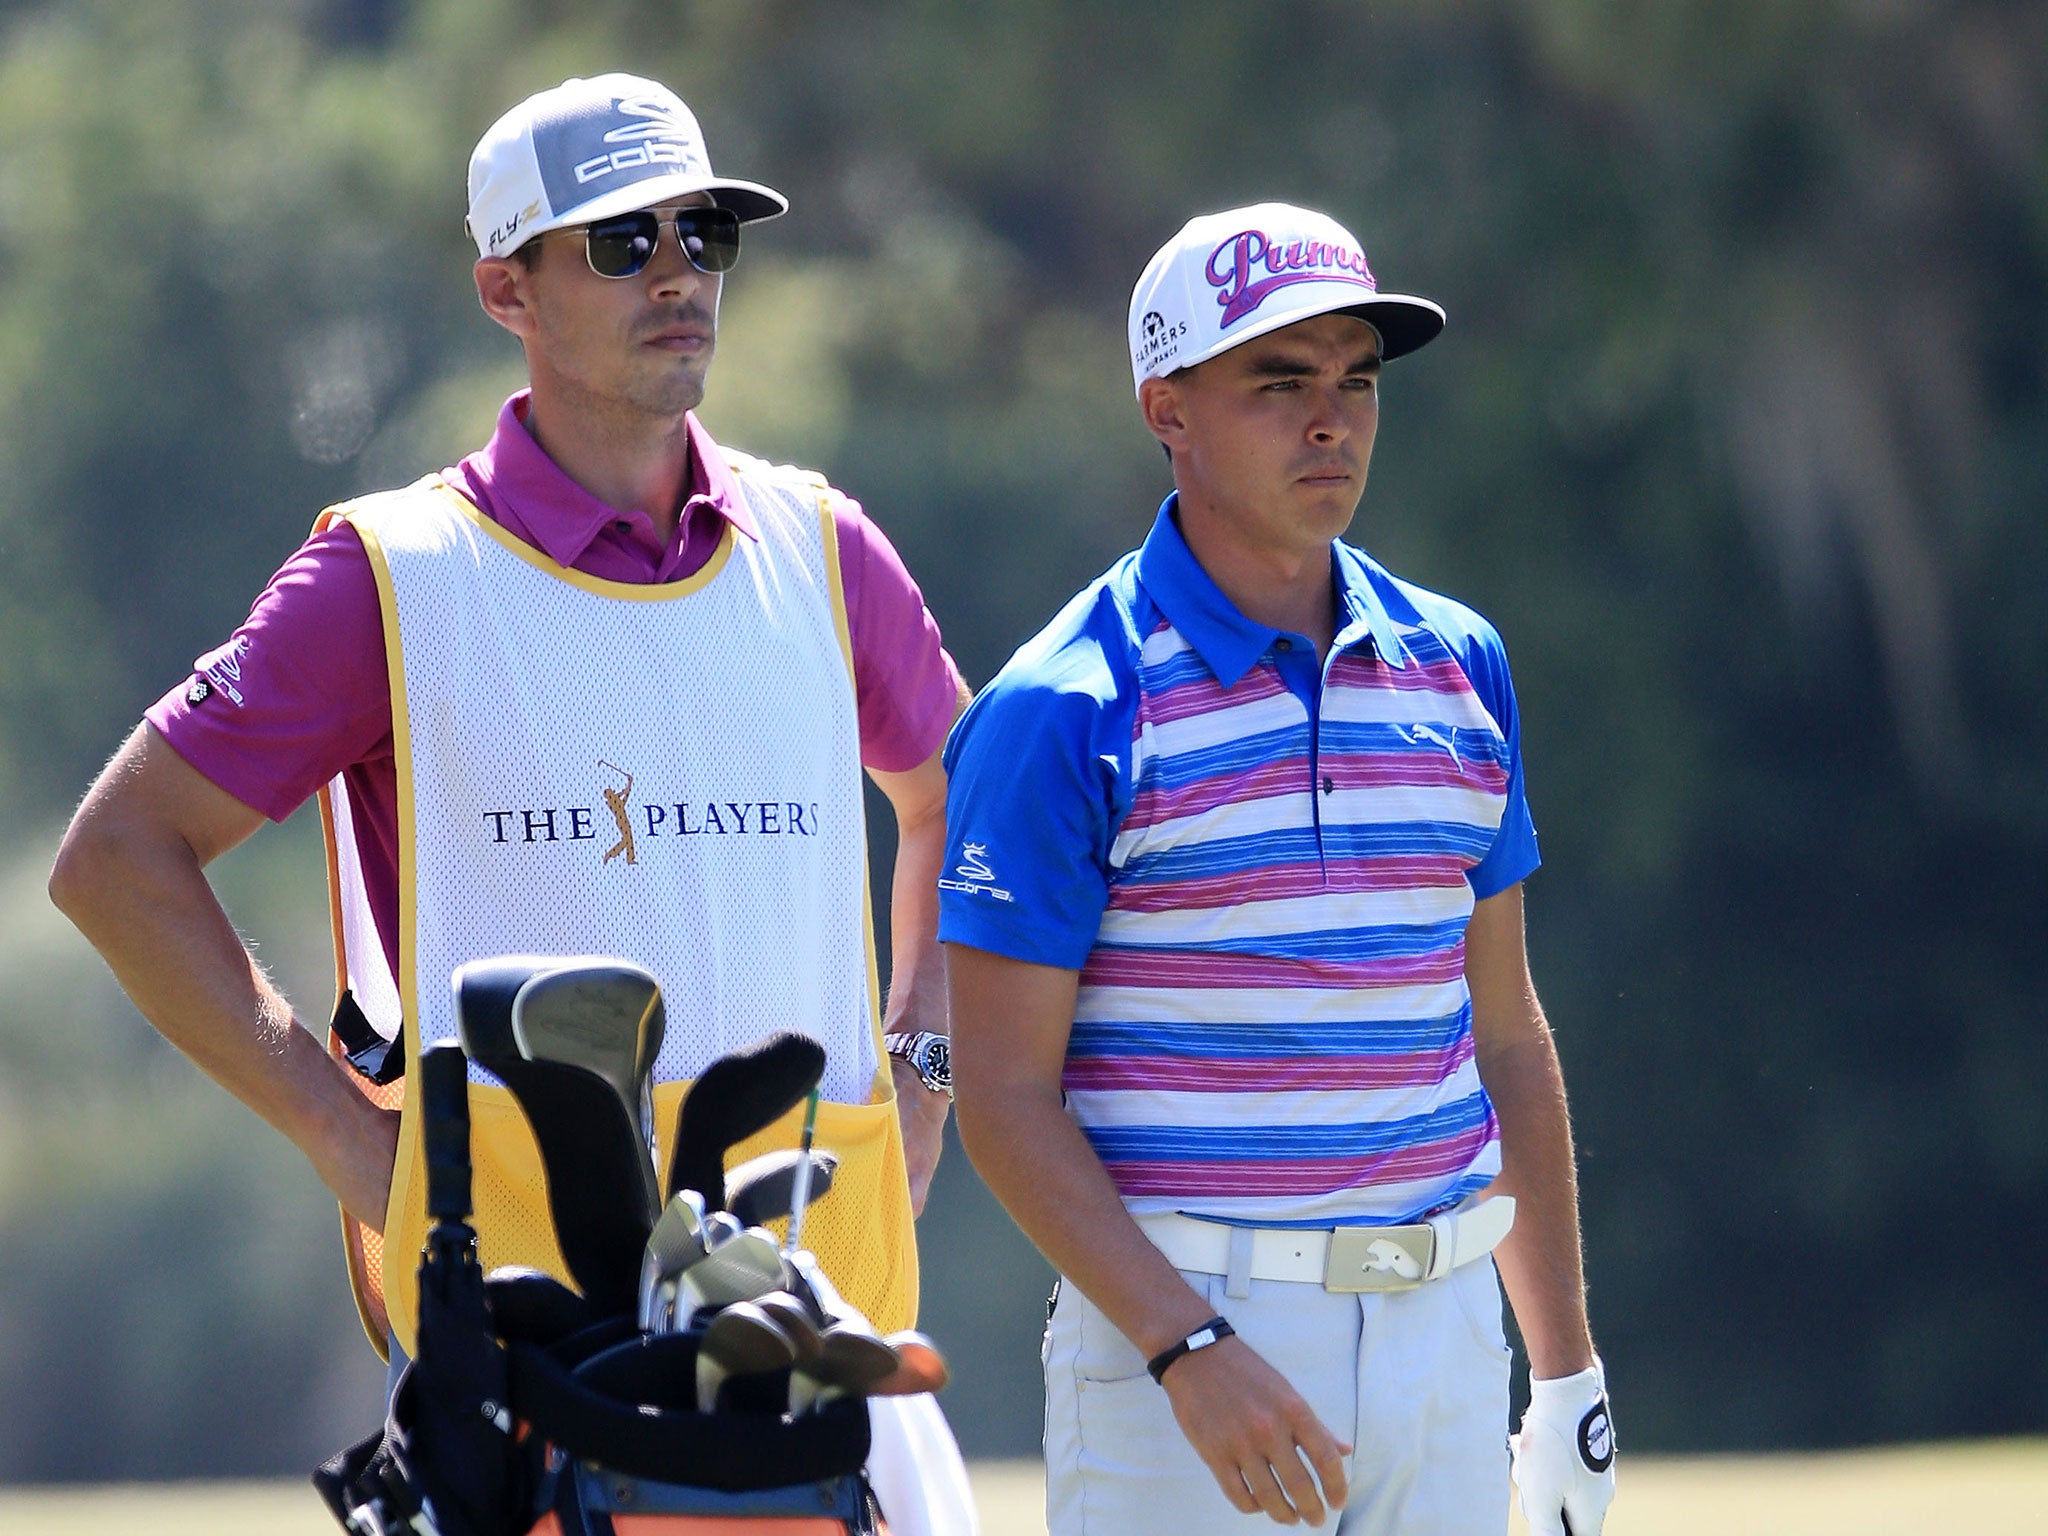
[{"x": 1339, "y": 1258}]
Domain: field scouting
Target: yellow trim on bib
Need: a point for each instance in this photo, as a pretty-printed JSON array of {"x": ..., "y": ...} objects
[
  {"x": 862, "y": 1232},
  {"x": 625, "y": 591},
  {"x": 389, "y": 1293},
  {"x": 354, "y": 1236},
  {"x": 828, "y": 531},
  {"x": 885, "y": 1080}
]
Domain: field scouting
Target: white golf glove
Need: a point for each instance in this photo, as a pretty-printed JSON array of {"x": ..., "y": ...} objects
[{"x": 1564, "y": 1456}]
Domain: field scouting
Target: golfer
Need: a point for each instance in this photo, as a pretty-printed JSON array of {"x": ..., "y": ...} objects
[{"x": 1244, "y": 1031}]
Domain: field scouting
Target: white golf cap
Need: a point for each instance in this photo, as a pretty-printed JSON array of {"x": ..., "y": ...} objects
[
  {"x": 591, "y": 149},
  {"x": 1228, "y": 277}
]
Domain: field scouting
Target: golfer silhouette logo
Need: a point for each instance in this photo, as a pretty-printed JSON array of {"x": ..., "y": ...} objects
[{"x": 615, "y": 802}]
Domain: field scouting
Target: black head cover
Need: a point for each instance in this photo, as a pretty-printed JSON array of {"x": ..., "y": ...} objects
[
  {"x": 484, "y": 990},
  {"x": 533, "y": 1305},
  {"x": 599, "y": 1191},
  {"x": 733, "y": 1098}
]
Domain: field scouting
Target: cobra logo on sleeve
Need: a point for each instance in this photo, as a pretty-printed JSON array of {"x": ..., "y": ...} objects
[{"x": 977, "y": 876}]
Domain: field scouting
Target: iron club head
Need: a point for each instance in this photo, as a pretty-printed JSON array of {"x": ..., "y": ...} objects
[
  {"x": 920, "y": 1367},
  {"x": 676, "y": 1243},
  {"x": 741, "y": 1340},
  {"x": 853, "y": 1359},
  {"x": 795, "y": 1319},
  {"x": 740, "y": 1269}
]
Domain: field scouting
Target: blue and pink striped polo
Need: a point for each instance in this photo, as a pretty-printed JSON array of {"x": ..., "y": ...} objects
[{"x": 1262, "y": 867}]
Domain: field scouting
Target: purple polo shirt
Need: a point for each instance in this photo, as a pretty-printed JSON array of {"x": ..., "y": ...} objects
[{"x": 300, "y": 693}]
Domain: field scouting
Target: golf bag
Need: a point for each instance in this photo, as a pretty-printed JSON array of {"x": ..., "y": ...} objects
[{"x": 530, "y": 1410}]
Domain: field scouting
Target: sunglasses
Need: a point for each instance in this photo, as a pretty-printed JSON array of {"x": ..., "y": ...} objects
[{"x": 622, "y": 247}]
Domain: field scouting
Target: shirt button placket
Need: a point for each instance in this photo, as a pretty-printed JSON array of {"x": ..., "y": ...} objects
[{"x": 1283, "y": 657}]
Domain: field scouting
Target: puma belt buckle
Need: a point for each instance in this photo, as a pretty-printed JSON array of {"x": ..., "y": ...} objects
[{"x": 1379, "y": 1258}]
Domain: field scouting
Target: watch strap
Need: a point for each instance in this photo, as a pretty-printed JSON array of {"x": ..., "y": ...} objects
[{"x": 1214, "y": 1331}]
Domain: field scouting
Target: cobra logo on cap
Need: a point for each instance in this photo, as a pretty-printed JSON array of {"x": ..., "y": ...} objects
[{"x": 594, "y": 146}]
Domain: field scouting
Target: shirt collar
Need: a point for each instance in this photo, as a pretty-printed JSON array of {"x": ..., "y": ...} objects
[
  {"x": 538, "y": 502},
  {"x": 1367, "y": 612},
  {"x": 1228, "y": 642}
]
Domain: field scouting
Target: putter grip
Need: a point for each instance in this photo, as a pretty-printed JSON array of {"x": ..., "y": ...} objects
[{"x": 444, "y": 1103}]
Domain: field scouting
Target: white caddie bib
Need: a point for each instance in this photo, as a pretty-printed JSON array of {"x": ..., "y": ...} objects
[{"x": 666, "y": 773}]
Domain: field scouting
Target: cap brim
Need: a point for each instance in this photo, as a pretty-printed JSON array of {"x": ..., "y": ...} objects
[
  {"x": 750, "y": 200},
  {"x": 1404, "y": 322}
]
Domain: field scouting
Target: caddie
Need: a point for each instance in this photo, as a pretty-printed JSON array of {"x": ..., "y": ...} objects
[
  {"x": 604, "y": 686},
  {"x": 1245, "y": 1037}
]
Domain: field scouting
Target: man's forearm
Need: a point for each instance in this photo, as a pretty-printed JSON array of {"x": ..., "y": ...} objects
[
  {"x": 1036, "y": 1161},
  {"x": 917, "y": 971},
  {"x": 1256, "y": 1434},
  {"x": 1540, "y": 1261},
  {"x": 138, "y": 892},
  {"x": 1013, "y": 1020},
  {"x": 917, "y": 974},
  {"x": 1252, "y": 1429}
]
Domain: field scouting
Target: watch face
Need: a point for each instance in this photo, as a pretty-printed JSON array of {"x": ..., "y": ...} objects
[{"x": 929, "y": 1055}]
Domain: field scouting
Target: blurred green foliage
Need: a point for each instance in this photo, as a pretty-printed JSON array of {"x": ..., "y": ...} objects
[{"x": 1736, "y": 432}]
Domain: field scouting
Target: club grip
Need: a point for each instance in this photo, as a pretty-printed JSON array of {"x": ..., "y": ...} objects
[{"x": 444, "y": 1105}]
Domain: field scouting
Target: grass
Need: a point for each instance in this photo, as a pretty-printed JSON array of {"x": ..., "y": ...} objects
[{"x": 1991, "y": 1488}]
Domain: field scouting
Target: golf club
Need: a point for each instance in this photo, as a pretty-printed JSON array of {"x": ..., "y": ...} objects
[
  {"x": 794, "y": 1318},
  {"x": 853, "y": 1359},
  {"x": 763, "y": 1189},
  {"x": 800, "y": 1194},
  {"x": 676, "y": 1242},
  {"x": 740, "y": 1269},
  {"x": 713, "y": 1231},
  {"x": 810, "y": 1283},
  {"x": 591, "y": 1153},
  {"x": 921, "y": 1367},
  {"x": 604, "y": 1016},
  {"x": 742, "y": 1340}
]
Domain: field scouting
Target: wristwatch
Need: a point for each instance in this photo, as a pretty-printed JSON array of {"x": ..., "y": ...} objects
[{"x": 930, "y": 1056}]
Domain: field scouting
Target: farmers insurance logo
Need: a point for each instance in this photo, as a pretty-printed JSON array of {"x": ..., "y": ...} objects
[
  {"x": 1158, "y": 341},
  {"x": 640, "y": 829},
  {"x": 1234, "y": 265}
]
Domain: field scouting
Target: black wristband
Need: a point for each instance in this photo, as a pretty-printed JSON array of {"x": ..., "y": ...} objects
[{"x": 1214, "y": 1331}]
